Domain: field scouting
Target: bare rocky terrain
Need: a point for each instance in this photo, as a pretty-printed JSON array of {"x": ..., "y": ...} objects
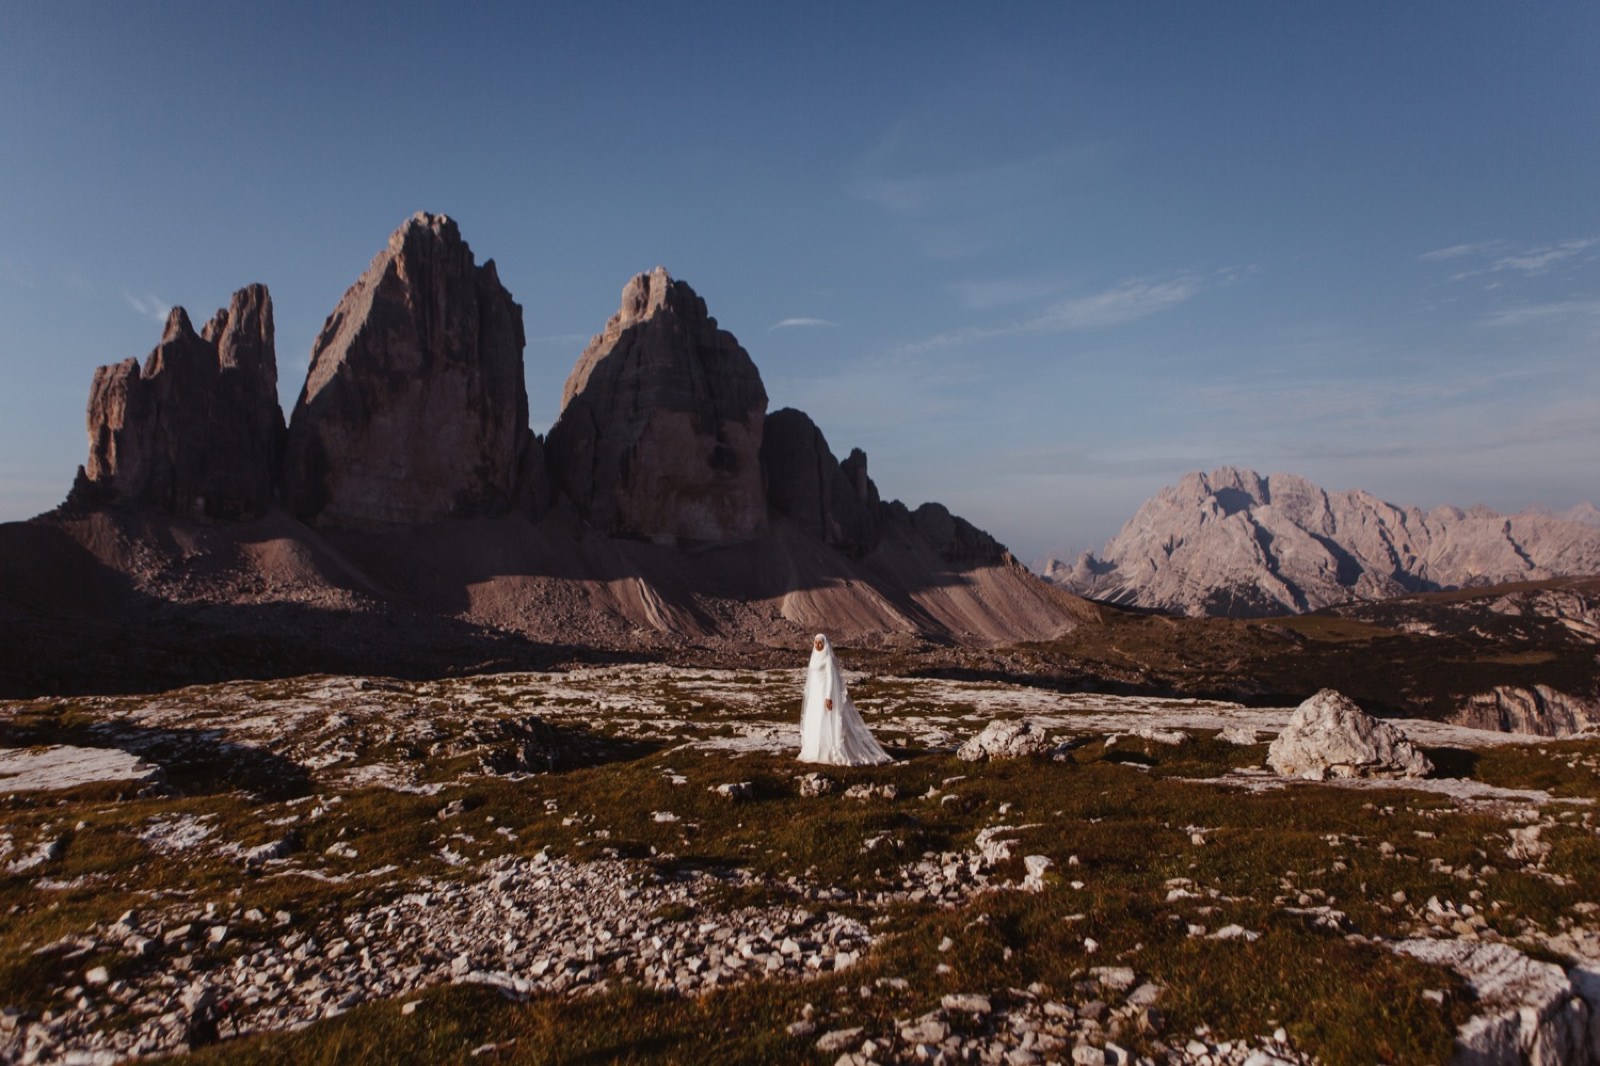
[
  {"x": 272, "y": 867},
  {"x": 1235, "y": 543}
]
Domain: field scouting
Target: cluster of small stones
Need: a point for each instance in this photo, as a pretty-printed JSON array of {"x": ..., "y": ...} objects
[
  {"x": 540, "y": 925},
  {"x": 1023, "y": 1027}
]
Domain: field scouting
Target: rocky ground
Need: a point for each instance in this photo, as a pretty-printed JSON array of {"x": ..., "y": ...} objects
[{"x": 626, "y": 862}]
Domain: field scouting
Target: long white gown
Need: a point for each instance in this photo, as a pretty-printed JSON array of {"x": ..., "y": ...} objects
[{"x": 838, "y": 736}]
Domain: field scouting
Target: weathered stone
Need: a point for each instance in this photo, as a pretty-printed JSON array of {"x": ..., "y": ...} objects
[
  {"x": 1006, "y": 739},
  {"x": 966, "y": 1003},
  {"x": 839, "y": 1039},
  {"x": 1242, "y": 735},
  {"x": 816, "y": 784},
  {"x": 661, "y": 423},
  {"x": 414, "y": 409},
  {"x": 836, "y": 503},
  {"x": 1528, "y": 1011},
  {"x": 1329, "y": 736},
  {"x": 196, "y": 432}
]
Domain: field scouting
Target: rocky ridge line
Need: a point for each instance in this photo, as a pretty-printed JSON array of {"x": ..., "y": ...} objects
[{"x": 1235, "y": 543}]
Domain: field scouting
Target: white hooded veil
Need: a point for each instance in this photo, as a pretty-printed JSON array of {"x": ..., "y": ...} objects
[{"x": 836, "y": 736}]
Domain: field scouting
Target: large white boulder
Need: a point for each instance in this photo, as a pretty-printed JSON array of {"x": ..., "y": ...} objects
[
  {"x": 1329, "y": 736},
  {"x": 1002, "y": 739}
]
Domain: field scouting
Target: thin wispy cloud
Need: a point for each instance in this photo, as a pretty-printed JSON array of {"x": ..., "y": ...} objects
[
  {"x": 1128, "y": 301},
  {"x": 1538, "y": 260},
  {"x": 1533, "y": 314},
  {"x": 1528, "y": 262},
  {"x": 801, "y": 322},
  {"x": 151, "y": 307},
  {"x": 1457, "y": 251},
  {"x": 1132, "y": 300}
]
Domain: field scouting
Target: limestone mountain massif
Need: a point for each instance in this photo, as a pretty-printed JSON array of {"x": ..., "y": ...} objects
[
  {"x": 665, "y": 507},
  {"x": 1236, "y": 543}
]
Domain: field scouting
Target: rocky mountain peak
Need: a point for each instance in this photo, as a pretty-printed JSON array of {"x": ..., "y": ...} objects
[
  {"x": 661, "y": 422},
  {"x": 835, "y": 502},
  {"x": 196, "y": 431},
  {"x": 414, "y": 408},
  {"x": 1234, "y": 542}
]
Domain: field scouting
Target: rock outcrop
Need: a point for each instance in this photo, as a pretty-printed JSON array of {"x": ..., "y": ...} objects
[
  {"x": 1236, "y": 543},
  {"x": 835, "y": 502},
  {"x": 1329, "y": 736},
  {"x": 661, "y": 423},
  {"x": 196, "y": 430},
  {"x": 1536, "y": 709},
  {"x": 414, "y": 409},
  {"x": 1526, "y": 1010}
]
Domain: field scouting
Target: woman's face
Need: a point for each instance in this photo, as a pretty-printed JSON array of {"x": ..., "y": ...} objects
[{"x": 819, "y": 644}]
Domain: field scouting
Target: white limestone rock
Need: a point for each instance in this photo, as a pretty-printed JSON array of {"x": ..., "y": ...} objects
[
  {"x": 1529, "y": 1011},
  {"x": 1006, "y": 739},
  {"x": 59, "y": 766},
  {"x": 1329, "y": 736},
  {"x": 1242, "y": 735}
]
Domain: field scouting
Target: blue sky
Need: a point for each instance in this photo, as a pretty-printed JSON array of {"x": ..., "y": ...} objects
[{"x": 1038, "y": 260}]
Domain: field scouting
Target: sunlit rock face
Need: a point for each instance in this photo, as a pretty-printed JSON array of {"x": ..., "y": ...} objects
[
  {"x": 196, "y": 430},
  {"x": 661, "y": 423},
  {"x": 1235, "y": 543},
  {"x": 414, "y": 409}
]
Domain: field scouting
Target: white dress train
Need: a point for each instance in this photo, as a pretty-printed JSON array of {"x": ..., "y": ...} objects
[{"x": 838, "y": 736}]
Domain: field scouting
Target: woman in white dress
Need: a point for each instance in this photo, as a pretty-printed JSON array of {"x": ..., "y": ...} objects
[{"x": 831, "y": 729}]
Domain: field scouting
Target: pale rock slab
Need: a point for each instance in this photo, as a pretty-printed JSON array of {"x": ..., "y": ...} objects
[{"x": 60, "y": 766}]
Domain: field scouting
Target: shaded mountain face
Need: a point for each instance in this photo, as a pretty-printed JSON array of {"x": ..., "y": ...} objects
[
  {"x": 835, "y": 502},
  {"x": 1235, "y": 543},
  {"x": 661, "y": 423},
  {"x": 414, "y": 409},
  {"x": 196, "y": 430}
]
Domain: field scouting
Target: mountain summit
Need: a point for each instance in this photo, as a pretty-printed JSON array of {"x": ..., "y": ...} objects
[{"x": 1232, "y": 542}]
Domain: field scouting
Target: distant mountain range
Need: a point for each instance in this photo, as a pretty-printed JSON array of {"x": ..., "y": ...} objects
[{"x": 1236, "y": 543}]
